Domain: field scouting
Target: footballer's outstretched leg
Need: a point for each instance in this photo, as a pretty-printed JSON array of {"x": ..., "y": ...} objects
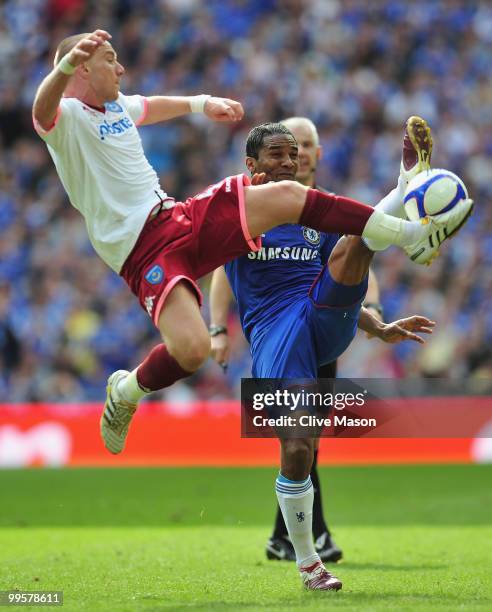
[
  {"x": 350, "y": 259},
  {"x": 415, "y": 158},
  {"x": 186, "y": 346}
]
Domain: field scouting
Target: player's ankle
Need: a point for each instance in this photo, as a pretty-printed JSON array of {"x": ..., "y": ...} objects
[
  {"x": 308, "y": 561},
  {"x": 129, "y": 389}
]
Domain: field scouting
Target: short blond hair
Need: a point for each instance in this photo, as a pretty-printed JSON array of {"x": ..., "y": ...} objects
[
  {"x": 293, "y": 122},
  {"x": 67, "y": 44}
]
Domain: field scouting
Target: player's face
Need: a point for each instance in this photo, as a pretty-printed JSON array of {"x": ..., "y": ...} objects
[
  {"x": 105, "y": 73},
  {"x": 309, "y": 153},
  {"x": 278, "y": 158}
]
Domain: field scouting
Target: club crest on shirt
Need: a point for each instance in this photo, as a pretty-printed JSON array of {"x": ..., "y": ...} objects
[
  {"x": 311, "y": 236},
  {"x": 113, "y": 107},
  {"x": 155, "y": 275}
]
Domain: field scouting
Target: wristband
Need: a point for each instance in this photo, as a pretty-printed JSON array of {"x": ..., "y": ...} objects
[
  {"x": 215, "y": 330},
  {"x": 197, "y": 103},
  {"x": 377, "y": 307},
  {"x": 65, "y": 66}
]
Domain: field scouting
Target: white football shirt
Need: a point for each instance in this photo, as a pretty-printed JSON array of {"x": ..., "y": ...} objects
[{"x": 101, "y": 163}]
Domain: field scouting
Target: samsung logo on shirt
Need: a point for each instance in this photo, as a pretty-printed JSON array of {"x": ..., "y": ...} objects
[
  {"x": 117, "y": 127},
  {"x": 294, "y": 253}
]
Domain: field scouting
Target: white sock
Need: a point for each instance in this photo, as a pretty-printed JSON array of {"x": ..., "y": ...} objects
[
  {"x": 295, "y": 498},
  {"x": 129, "y": 389},
  {"x": 391, "y": 204},
  {"x": 383, "y": 230}
]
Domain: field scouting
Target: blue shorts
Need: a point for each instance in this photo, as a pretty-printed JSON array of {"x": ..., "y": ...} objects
[{"x": 314, "y": 330}]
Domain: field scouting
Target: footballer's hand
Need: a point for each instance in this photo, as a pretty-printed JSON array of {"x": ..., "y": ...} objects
[
  {"x": 258, "y": 179},
  {"x": 375, "y": 313},
  {"x": 220, "y": 349},
  {"x": 223, "y": 109},
  {"x": 86, "y": 47},
  {"x": 406, "y": 329}
]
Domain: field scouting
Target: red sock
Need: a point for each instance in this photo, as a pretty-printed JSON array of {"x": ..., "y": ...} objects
[
  {"x": 159, "y": 370},
  {"x": 334, "y": 214}
]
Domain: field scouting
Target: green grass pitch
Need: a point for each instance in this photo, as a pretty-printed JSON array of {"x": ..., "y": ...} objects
[{"x": 414, "y": 538}]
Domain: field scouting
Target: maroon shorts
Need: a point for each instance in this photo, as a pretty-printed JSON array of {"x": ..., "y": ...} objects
[{"x": 188, "y": 241}]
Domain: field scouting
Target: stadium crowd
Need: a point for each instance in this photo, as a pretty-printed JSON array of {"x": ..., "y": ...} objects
[{"x": 357, "y": 69}]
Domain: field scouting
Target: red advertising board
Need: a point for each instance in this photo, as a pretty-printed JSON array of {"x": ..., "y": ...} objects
[{"x": 199, "y": 433}]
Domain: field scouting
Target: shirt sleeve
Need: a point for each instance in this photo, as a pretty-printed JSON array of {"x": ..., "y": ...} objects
[
  {"x": 136, "y": 106},
  {"x": 57, "y": 133}
]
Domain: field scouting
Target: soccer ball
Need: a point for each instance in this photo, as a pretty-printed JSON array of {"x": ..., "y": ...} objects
[{"x": 433, "y": 192}]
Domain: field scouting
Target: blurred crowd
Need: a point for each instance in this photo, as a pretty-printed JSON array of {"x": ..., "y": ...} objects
[{"x": 358, "y": 69}]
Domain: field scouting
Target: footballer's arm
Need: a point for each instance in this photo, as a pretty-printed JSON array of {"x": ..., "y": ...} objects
[
  {"x": 50, "y": 92},
  {"x": 220, "y": 298},
  {"x": 163, "y": 108},
  {"x": 371, "y": 301},
  {"x": 220, "y": 301},
  {"x": 48, "y": 96}
]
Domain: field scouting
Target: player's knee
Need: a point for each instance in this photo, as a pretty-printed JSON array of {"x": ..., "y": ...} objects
[
  {"x": 297, "y": 458},
  {"x": 192, "y": 351}
]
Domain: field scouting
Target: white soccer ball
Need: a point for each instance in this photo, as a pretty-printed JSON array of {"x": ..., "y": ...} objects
[{"x": 433, "y": 192}]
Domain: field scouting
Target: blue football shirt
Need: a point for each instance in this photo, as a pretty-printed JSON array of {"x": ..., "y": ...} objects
[{"x": 267, "y": 282}]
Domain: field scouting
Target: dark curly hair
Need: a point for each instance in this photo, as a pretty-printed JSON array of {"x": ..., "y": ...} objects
[{"x": 257, "y": 136}]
